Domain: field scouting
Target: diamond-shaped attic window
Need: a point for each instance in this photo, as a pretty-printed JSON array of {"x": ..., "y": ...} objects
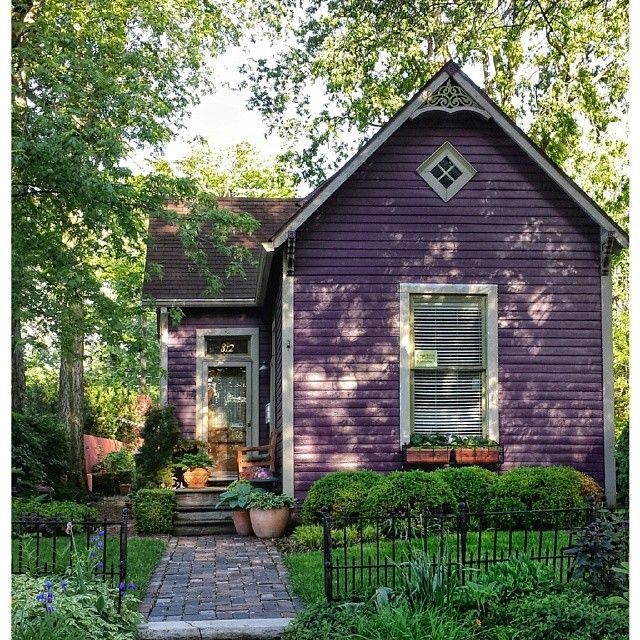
[{"x": 446, "y": 171}]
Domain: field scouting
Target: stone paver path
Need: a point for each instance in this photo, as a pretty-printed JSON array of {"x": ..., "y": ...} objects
[{"x": 219, "y": 578}]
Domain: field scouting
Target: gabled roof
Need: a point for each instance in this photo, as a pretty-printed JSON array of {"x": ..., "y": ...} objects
[
  {"x": 477, "y": 101},
  {"x": 180, "y": 281}
]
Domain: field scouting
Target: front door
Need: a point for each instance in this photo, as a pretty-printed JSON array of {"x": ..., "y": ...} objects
[{"x": 228, "y": 414}]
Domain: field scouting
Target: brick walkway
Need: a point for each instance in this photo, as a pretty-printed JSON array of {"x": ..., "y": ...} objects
[{"x": 219, "y": 578}]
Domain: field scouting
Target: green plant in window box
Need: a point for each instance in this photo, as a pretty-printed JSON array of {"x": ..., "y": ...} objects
[
  {"x": 428, "y": 448},
  {"x": 475, "y": 450}
]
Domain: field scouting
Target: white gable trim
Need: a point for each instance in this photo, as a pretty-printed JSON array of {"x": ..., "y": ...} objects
[{"x": 415, "y": 104}]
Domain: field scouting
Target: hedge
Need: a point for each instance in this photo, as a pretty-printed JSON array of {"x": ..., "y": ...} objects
[
  {"x": 62, "y": 510},
  {"x": 401, "y": 491},
  {"x": 342, "y": 491},
  {"x": 474, "y": 485},
  {"x": 153, "y": 510}
]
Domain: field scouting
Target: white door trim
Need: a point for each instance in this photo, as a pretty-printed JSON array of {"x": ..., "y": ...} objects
[{"x": 251, "y": 360}]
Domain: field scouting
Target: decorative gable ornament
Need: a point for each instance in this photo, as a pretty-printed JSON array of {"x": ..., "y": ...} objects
[
  {"x": 446, "y": 171},
  {"x": 450, "y": 98}
]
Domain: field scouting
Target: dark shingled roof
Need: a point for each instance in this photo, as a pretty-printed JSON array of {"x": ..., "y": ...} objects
[{"x": 181, "y": 279}]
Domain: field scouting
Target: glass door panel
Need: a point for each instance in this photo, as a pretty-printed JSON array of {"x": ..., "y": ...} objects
[{"x": 227, "y": 415}]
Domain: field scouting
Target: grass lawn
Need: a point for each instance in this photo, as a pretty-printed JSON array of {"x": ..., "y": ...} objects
[
  {"x": 306, "y": 573},
  {"x": 143, "y": 555}
]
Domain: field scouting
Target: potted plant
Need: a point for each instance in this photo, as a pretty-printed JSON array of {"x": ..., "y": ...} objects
[
  {"x": 476, "y": 450},
  {"x": 119, "y": 467},
  {"x": 270, "y": 513},
  {"x": 428, "y": 448},
  {"x": 195, "y": 467},
  {"x": 236, "y": 497}
]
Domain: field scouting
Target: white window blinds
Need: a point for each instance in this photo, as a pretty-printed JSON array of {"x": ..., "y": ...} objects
[{"x": 448, "y": 364}]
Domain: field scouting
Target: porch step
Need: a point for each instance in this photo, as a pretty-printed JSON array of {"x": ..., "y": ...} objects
[{"x": 197, "y": 515}]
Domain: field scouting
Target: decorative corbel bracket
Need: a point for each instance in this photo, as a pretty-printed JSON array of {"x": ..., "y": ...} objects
[
  {"x": 606, "y": 251},
  {"x": 291, "y": 252},
  {"x": 450, "y": 98}
]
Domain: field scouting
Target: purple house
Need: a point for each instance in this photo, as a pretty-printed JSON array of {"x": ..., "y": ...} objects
[{"x": 448, "y": 278}]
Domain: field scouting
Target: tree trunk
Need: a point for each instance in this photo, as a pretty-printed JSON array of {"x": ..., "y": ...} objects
[
  {"x": 18, "y": 380},
  {"x": 71, "y": 396}
]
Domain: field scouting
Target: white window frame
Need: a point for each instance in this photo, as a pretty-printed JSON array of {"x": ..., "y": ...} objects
[
  {"x": 447, "y": 149},
  {"x": 250, "y": 360},
  {"x": 490, "y": 291}
]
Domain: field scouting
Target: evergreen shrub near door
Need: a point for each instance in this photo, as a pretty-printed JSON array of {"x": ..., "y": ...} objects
[
  {"x": 154, "y": 461},
  {"x": 153, "y": 510},
  {"x": 343, "y": 492}
]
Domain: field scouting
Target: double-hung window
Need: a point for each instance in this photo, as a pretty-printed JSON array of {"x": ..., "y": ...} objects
[{"x": 448, "y": 360}]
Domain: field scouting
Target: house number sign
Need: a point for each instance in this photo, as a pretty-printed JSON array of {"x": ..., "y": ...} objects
[
  {"x": 228, "y": 345},
  {"x": 425, "y": 359}
]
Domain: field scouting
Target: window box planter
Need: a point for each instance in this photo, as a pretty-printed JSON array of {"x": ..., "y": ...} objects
[
  {"x": 417, "y": 455},
  {"x": 477, "y": 455}
]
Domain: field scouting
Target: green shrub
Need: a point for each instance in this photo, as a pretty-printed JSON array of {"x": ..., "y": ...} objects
[
  {"x": 622, "y": 464},
  {"x": 39, "y": 450},
  {"x": 568, "y": 615},
  {"x": 161, "y": 434},
  {"x": 589, "y": 488},
  {"x": 62, "y": 510},
  {"x": 535, "y": 488},
  {"x": 309, "y": 537},
  {"x": 473, "y": 484},
  {"x": 321, "y": 622},
  {"x": 153, "y": 510},
  {"x": 400, "y": 491},
  {"x": 89, "y": 611},
  {"x": 343, "y": 492},
  {"x": 492, "y": 590}
]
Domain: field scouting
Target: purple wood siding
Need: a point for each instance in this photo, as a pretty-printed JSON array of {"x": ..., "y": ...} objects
[
  {"x": 508, "y": 226},
  {"x": 182, "y": 360}
]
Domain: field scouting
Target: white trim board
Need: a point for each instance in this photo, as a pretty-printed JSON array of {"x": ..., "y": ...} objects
[
  {"x": 251, "y": 359},
  {"x": 490, "y": 291},
  {"x": 288, "y": 481},
  {"x": 607, "y": 390},
  {"x": 450, "y": 70}
]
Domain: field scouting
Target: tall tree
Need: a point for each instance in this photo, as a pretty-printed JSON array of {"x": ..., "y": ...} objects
[
  {"x": 92, "y": 81},
  {"x": 340, "y": 69}
]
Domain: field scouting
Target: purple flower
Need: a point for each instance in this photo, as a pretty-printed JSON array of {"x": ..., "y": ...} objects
[
  {"x": 48, "y": 585},
  {"x": 131, "y": 586},
  {"x": 49, "y": 608},
  {"x": 100, "y": 544},
  {"x": 64, "y": 584},
  {"x": 122, "y": 587},
  {"x": 40, "y": 597},
  {"x": 100, "y": 565},
  {"x": 101, "y": 532},
  {"x": 94, "y": 539},
  {"x": 49, "y": 597}
]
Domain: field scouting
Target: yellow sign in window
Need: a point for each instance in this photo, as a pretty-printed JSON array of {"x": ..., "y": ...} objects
[{"x": 425, "y": 359}]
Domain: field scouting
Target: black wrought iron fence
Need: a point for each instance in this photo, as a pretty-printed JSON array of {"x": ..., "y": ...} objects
[
  {"x": 362, "y": 554},
  {"x": 48, "y": 546}
]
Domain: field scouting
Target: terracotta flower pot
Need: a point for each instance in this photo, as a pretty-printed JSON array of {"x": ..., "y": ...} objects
[
  {"x": 270, "y": 523},
  {"x": 125, "y": 488},
  {"x": 196, "y": 478},
  {"x": 242, "y": 523},
  {"x": 477, "y": 455},
  {"x": 427, "y": 456}
]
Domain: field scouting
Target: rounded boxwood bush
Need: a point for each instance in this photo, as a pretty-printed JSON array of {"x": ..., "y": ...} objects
[
  {"x": 474, "y": 484},
  {"x": 535, "y": 488},
  {"x": 344, "y": 492},
  {"x": 402, "y": 491},
  {"x": 153, "y": 510}
]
